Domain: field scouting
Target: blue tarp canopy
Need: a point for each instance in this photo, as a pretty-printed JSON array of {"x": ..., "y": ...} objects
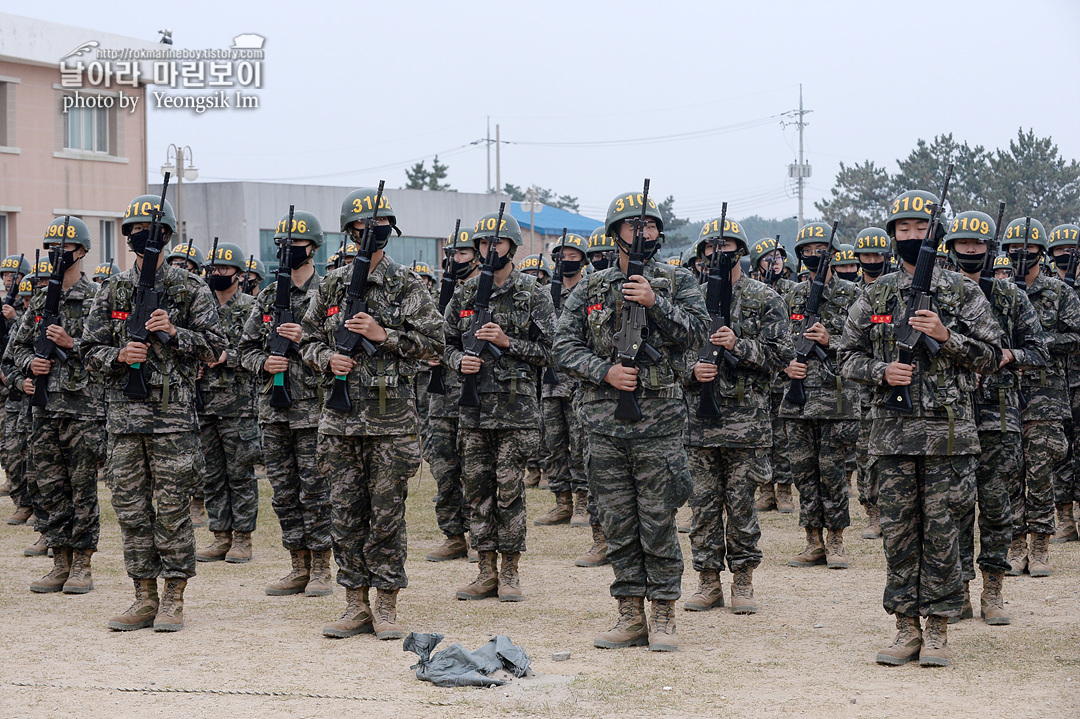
[{"x": 551, "y": 220}]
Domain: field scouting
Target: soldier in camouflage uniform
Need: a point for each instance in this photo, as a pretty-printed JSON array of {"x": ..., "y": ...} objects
[
  {"x": 872, "y": 250},
  {"x": 564, "y": 464},
  {"x": 998, "y": 416},
  {"x": 368, "y": 443},
  {"x": 822, "y": 431},
  {"x": 451, "y": 509},
  {"x": 68, "y": 432},
  {"x": 923, "y": 462},
  {"x": 228, "y": 424},
  {"x": 1063, "y": 249},
  {"x": 153, "y": 460},
  {"x": 540, "y": 268},
  {"x": 637, "y": 470},
  {"x": 14, "y": 270},
  {"x": 423, "y": 370},
  {"x": 1048, "y": 403},
  {"x": 104, "y": 270},
  {"x": 498, "y": 437},
  {"x": 290, "y": 434},
  {"x": 252, "y": 277},
  {"x": 776, "y": 493},
  {"x": 729, "y": 455}
]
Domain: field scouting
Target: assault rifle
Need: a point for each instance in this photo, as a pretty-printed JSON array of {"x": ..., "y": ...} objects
[
  {"x": 986, "y": 275},
  {"x": 45, "y": 348},
  {"x": 345, "y": 340},
  {"x": 13, "y": 292},
  {"x": 550, "y": 375},
  {"x": 447, "y": 283},
  {"x": 147, "y": 299},
  {"x": 279, "y": 346},
  {"x": 771, "y": 274},
  {"x": 632, "y": 337},
  {"x": 804, "y": 347},
  {"x": 470, "y": 386},
  {"x": 208, "y": 268},
  {"x": 718, "y": 302},
  {"x": 919, "y": 297},
  {"x": 1022, "y": 267},
  {"x": 249, "y": 282}
]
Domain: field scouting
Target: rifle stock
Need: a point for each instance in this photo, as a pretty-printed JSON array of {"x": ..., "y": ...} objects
[
  {"x": 470, "y": 385},
  {"x": 437, "y": 383},
  {"x": 45, "y": 348},
  {"x": 718, "y": 302},
  {"x": 550, "y": 375},
  {"x": 280, "y": 346}
]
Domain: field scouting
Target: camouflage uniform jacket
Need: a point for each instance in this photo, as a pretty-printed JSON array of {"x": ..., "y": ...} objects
[
  {"x": 169, "y": 368},
  {"x": 783, "y": 287},
  {"x": 678, "y": 323},
  {"x": 998, "y": 394},
  {"x": 759, "y": 320},
  {"x": 305, "y": 384},
  {"x": 13, "y": 376},
  {"x": 523, "y": 309},
  {"x": 73, "y": 390},
  {"x": 1074, "y": 358},
  {"x": 1059, "y": 314},
  {"x": 942, "y": 420},
  {"x": 827, "y": 395},
  {"x": 380, "y": 385},
  {"x": 567, "y": 386},
  {"x": 446, "y": 405},
  {"x": 228, "y": 390}
]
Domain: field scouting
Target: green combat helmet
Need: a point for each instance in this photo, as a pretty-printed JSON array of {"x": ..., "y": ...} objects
[
  {"x": 804, "y": 274},
  {"x": 600, "y": 249},
  {"x": 1002, "y": 262},
  {"x": 791, "y": 266},
  {"x": 141, "y": 210},
  {"x": 424, "y": 270},
  {"x": 360, "y": 205},
  {"x": 256, "y": 267},
  {"x": 675, "y": 261},
  {"x": 77, "y": 232},
  {"x": 627, "y": 206},
  {"x": 763, "y": 247},
  {"x": 872, "y": 240},
  {"x": 44, "y": 268},
  {"x": 510, "y": 229},
  {"x": 911, "y": 205},
  {"x": 104, "y": 271},
  {"x": 1014, "y": 234},
  {"x": 972, "y": 225},
  {"x": 572, "y": 240},
  {"x": 534, "y": 265},
  {"x": 17, "y": 265},
  {"x": 305, "y": 226},
  {"x": 26, "y": 286},
  {"x": 189, "y": 253},
  {"x": 1067, "y": 235},
  {"x": 712, "y": 233},
  {"x": 231, "y": 255},
  {"x": 813, "y": 232},
  {"x": 844, "y": 262}
]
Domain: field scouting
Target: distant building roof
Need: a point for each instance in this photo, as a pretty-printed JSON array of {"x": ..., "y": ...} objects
[{"x": 550, "y": 220}]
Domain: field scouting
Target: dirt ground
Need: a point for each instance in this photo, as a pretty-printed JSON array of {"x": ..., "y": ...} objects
[{"x": 808, "y": 652}]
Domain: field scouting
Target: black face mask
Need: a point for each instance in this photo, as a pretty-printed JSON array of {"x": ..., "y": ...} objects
[
  {"x": 138, "y": 241},
  {"x": 220, "y": 283},
  {"x": 1062, "y": 261},
  {"x": 872, "y": 269},
  {"x": 908, "y": 250},
  {"x": 500, "y": 261},
  {"x": 381, "y": 235},
  {"x": 849, "y": 276},
  {"x": 67, "y": 259},
  {"x": 1017, "y": 256},
  {"x": 461, "y": 270},
  {"x": 297, "y": 256},
  {"x": 970, "y": 263},
  {"x": 571, "y": 267},
  {"x": 812, "y": 262},
  {"x": 600, "y": 261}
]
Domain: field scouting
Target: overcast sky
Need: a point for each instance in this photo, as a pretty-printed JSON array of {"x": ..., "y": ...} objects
[{"x": 356, "y": 92}]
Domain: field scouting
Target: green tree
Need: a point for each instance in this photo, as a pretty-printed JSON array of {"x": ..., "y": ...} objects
[
  {"x": 858, "y": 199},
  {"x": 757, "y": 227},
  {"x": 544, "y": 195},
  {"x": 420, "y": 178},
  {"x": 1033, "y": 179},
  {"x": 924, "y": 169}
]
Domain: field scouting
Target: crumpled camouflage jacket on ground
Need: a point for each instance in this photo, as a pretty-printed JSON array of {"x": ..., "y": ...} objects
[
  {"x": 169, "y": 369},
  {"x": 304, "y": 383},
  {"x": 1058, "y": 310},
  {"x": 73, "y": 390},
  {"x": 583, "y": 347},
  {"x": 380, "y": 385},
  {"x": 828, "y": 396},
  {"x": 228, "y": 390},
  {"x": 942, "y": 420},
  {"x": 1022, "y": 333},
  {"x": 759, "y": 319},
  {"x": 523, "y": 309}
]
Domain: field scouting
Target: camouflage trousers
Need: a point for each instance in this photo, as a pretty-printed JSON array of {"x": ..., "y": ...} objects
[
  {"x": 492, "y": 464},
  {"x": 421, "y": 383},
  {"x": 1031, "y": 492},
  {"x": 231, "y": 446},
  {"x": 819, "y": 450},
  {"x": 15, "y": 451},
  {"x": 369, "y": 481},
  {"x": 781, "y": 463},
  {"x": 1067, "y": 486},
  {"x": 922, "y": 500},
  {"x": 70, "y": 451},
  {"x": 999, "y": 461},
  {"x": 301, "y": 498},
  {"x": 152, "y": 477},
  {"x": 564, "y": 463},
  {"x": 867, "y": 489},
  {"x": 451, "y": 510},
  {"x": 639, "y": 484},
  {"x": 724, "y": 482}
]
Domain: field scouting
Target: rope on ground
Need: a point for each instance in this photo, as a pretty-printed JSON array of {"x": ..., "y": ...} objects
[{"x": 229, "y": 692}]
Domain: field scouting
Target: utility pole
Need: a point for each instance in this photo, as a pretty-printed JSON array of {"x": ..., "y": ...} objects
[
  {"x": 532, "y": 221},
  {"x": 800, "y": 172},
  {"x": 489, "y": 153},
  {"x": 498, "y": 164}
]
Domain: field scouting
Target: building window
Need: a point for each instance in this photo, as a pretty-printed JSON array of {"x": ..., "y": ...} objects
[
  {"x": 3, "y": 236},
  {"x": 7, "y": 114},
  {"x": 107, "y": 241},
  {"x": 87, "y": 129}
]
